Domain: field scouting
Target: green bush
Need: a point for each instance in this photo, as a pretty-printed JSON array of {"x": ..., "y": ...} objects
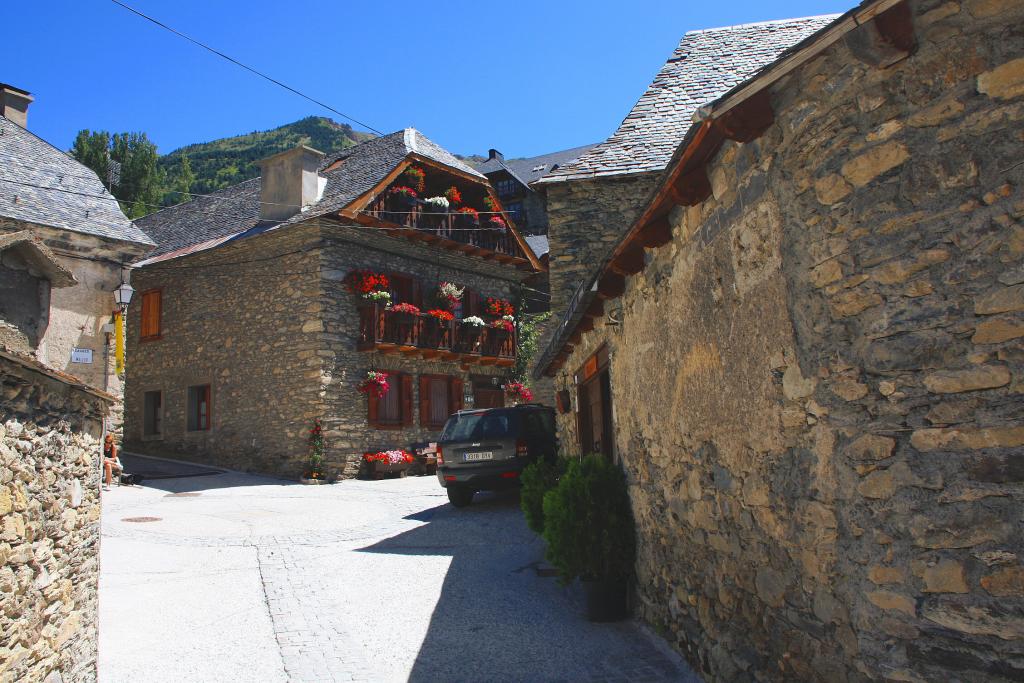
[
  {"x": 588, "y": 522},
  {"x": 537, "y": 479}
]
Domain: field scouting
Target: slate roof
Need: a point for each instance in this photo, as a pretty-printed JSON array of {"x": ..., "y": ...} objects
[
  {"x": 41, "y": 184},
  {"x": 706, "y": 65},
  {"x": 538, "y": 244},
  {"x": 235, "y": 211},
  {"x": 528, "y": 170}
]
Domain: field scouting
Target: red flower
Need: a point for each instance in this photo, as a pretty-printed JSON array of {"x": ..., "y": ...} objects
[
  {"x": 441, "y": 314},
  {"x": 366, "y": 281},
  {"x": 405, "y": 308},
  {"x": 416, "y": 177},
  {"x": 453, "y": 195},
  {"x": 499, "y": 307},
  {"x": 403, "y": 190}
]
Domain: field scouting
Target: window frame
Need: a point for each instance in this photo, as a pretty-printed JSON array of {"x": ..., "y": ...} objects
[
  {"x": 158, "y": 417},
  {"x": 143, "y": 307},
  {"x": 402, "y": 383},
  {"x": 455, "y": 387},
  {"x": 189, "y": 408}
]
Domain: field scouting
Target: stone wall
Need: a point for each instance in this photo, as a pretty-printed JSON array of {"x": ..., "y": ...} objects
[
  {"x": 268, "y": 324},
  {"x": 817, "y": 384},
  {"x": 585, "y": 219},
  {"x": 243, "y": 318},
  {"x": 49, "y": 527}
]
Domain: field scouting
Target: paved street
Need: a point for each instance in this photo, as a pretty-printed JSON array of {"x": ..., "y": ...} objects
[{"x": 240, "y": 578}]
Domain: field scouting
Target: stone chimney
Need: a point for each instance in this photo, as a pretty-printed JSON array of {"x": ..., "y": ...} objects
[
  {"x": 14, "y": 104},
  {"x": 495, "y": 154},
  {"x": 289, "y": 182}
]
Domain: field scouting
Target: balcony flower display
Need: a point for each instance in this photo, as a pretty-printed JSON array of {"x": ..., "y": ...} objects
[
  {"x": 402, "y": 195},
  {"x": 395, "y": 457},
  {"x": 450, "y": 292},
  {"x": 517, "y": 391},
  {"x": 453, "y": 196},
  {"x": 375, "y": 384},
  {"x": 497, "y": 222},
  {"x": 503, "y": 324},
  {"x": 498, "y": 307},
  {"x": 365, "y": 282},
  {"x": 468, "y": 217},
  {"x": 473, "y": 321},
  {"x": 437, "y": 204},
  {"x": 405, "y": 309},
  {"x": 490, "y": 204},
  {"x": 379, "y": 297},
  {"x": 441, "y": 315},
  {"x": 416, "y": 177}
]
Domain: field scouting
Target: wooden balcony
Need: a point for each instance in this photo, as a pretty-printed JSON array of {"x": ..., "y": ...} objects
[
  {"x": 448, "y": 230},
  {"x": 383, "y": 330}
]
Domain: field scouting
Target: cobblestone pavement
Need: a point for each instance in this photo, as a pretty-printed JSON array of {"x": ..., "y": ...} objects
[{"x": 240, "y": 578}]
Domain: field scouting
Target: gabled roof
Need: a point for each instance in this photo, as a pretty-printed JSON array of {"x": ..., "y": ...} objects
[
  {"x": 208, "y": 221},
  {"x": 706, "y": 64},
  {"x": 528, "y": 170},
  {"x": 43, "y": 185}
]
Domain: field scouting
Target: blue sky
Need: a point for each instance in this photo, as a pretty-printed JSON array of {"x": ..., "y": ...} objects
[{"x": 525, "y": 77}]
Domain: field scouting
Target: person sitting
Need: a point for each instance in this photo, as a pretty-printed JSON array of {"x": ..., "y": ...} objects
[{"x": 111, "y": 463}]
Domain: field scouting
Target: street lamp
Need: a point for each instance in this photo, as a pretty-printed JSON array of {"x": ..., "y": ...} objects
[{"x": 123, "y": 295}]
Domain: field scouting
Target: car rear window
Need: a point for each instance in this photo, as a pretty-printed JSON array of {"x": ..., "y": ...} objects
[{"x": 475, "y": 426}]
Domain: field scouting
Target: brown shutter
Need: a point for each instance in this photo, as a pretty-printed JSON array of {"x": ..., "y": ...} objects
[
  {"x": 154, "y": 323},
  {"x": 455, "y": 395},
  {"x": 371, "y": 408},
  {"x": 406, "y": 400},
  {"x": 417, "y": 294},
  {"x": 424, "y": 401}
]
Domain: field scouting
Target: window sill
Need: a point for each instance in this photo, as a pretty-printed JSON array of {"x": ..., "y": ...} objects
[{"x": 156, "y": 337}]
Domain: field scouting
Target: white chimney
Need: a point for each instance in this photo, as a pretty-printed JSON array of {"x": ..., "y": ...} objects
[
  {"x": 289, "y": 182},
  {"x": 14, "y": 104}
]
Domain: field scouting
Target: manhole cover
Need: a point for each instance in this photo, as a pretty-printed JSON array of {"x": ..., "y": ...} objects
[
  {"x": 186, "y": 494},
  {"x": 141, "y": 519}
]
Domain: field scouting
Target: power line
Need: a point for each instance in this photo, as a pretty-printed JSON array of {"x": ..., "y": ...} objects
[{"x": 246, "y": 67}]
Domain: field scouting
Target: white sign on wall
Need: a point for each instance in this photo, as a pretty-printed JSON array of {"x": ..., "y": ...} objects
[{"x": 81, "y": 355}]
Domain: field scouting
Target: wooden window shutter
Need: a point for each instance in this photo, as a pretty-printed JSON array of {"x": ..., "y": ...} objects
[
  {"x": 406, "y": 400},
  {"x": 150, "y": 318},
  {"x": 371, "y": 409},
  {"x": 417, "y": 293},
  {"x": 424, "y": 401},
  {"x": 455, "y": 395}
]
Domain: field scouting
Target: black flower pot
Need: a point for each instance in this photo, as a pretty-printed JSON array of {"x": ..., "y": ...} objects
[{"x": 606, "y": 600}]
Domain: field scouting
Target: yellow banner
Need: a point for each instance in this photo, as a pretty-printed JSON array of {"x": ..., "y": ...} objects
[{"x": 119, "y": 343}]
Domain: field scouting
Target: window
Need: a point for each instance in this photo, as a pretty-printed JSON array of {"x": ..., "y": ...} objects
[
  {"x": 393, "y": 410},
  {"x": 506, "y": 188},
  {"x": 468, "y": 305},
  {"x": 152, "y": 413},
  {"x": 199, "y": 408},
  {"x": 404, "y": 289},
  {"x": 440, "y": 396},
  {"x": 149, "y": 327}
]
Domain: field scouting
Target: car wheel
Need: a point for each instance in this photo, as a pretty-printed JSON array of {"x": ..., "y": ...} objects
[{"x": 459, "y": 496}]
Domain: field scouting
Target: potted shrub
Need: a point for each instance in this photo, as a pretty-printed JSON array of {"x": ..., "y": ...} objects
[
  {"x": 369, "y": 286},
  {"x": 436, "y": 205},
  {"x": 450, "y": 293},
  {"x": 588, "y": 526},
  {"x": 537, "y": 479},
  {"x": 403, "y": 321},
  {"x": 497, "y": 223},
  {"x": 469, "y": 333},
  {"x": 436, "y": 321},
  {"x": 498, "y": 308},
  {"x": 395, "y": 461},
  {"x": 405, "y": 312},
  {"x": 314, "y": 473}
]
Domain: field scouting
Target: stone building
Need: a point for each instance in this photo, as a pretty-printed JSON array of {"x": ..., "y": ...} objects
[
  {"x": 593, "y": 200},
  {"x": 48, "y": 197},
  {"x": 806, "y": 353},
  {"x": 512, "y": 179},
  {"x": 244, "y": 330}
]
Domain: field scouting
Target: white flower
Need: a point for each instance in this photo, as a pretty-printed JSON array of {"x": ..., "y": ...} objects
[
  {"x": 439, "y": 202},
  {"x": 450, "y": 290},
  {"x": 473, "y": 320},
  {"x": 509, "y": 318}
]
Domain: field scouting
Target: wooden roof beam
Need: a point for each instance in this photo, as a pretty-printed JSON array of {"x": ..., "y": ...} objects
[
  {"x": 748, "y": 120},
  {"x": 611, "y": 286},
  {"x": 887, "y": 39},
  {"x": 691, "y": 188},
  {"x": 657, "y": 233},
  {"x": 629, "y": 262}
]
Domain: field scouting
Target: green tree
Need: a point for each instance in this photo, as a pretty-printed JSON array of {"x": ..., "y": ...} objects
[
  {"x": 92, "y": 148},
  {"x": 183, "y": 183},
  {"x": 529, "y": 336}
]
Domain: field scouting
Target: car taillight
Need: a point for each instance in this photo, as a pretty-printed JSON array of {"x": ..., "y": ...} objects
[
  {"x": 509, "y": 475},
  {"x": 440, "y": 456},
  {"x": 521, "y": 450}
]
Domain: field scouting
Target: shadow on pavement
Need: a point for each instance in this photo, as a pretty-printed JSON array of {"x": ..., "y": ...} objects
[
  {"x": 181, "y": 477},
  {"x": 501, "y": 616}
]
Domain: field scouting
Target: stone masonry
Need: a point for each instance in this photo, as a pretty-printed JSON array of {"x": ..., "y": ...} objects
[
  {"x": 817, "y": 384},
  {"x": 49, "y": 526},
  {"x": 268, "y": 323}
]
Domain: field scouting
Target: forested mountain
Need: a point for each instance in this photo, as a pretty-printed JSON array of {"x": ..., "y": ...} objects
[{"x": 227, "y": 161}]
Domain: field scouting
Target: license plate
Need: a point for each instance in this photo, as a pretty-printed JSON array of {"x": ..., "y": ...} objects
[{"x": 483, "y": 455}]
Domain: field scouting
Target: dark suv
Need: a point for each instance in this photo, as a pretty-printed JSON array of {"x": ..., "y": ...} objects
[{"x": 487, "y": 449}]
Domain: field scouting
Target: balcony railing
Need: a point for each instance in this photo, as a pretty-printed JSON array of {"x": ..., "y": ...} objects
[
  {"x": 448, "y": 225},
  {"x": 384, "y": 330}
]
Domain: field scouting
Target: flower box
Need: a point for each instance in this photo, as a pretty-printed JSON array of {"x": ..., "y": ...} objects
[{"x": 378, "y": 470}]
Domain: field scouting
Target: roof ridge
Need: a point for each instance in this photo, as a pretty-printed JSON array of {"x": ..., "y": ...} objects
[{"x": 751, "y": 24}]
